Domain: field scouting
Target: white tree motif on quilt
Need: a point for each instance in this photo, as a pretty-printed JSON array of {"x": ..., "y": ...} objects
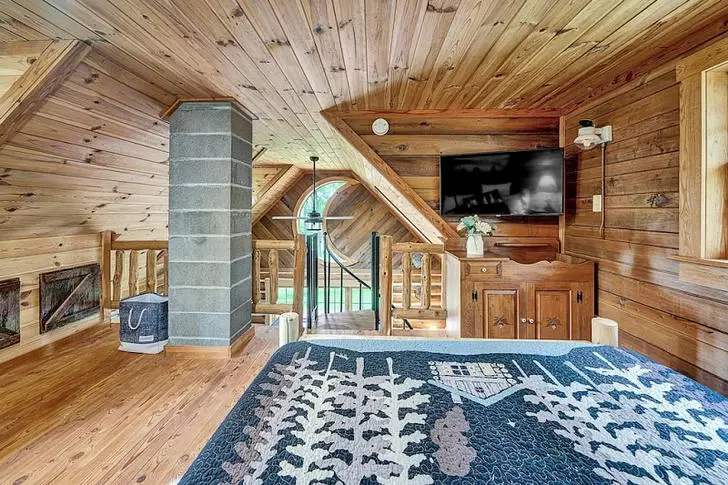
[
  {"x": 364, "y": 396},
  {"x": 633, "y": 422},
  {"x": 274, "y": 415},
  {"x": 320, "y": 408},
  {"x": 399, "y": 440}
]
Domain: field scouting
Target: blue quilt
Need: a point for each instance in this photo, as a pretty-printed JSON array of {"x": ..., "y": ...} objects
[{"x": 464, "y": 412}]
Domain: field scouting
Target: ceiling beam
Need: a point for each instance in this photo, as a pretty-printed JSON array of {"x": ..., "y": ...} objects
[
  {"x": 53, "y": 65},
  {"x": 374, "y": 172},
  {"x": 267, "y": 200}
]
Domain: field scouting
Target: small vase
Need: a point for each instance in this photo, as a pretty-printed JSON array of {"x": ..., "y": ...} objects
[{"x": 474, "y": 245}]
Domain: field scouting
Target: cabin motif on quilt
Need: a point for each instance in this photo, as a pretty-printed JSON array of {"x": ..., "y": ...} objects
[{"x": 323, "y": 414}]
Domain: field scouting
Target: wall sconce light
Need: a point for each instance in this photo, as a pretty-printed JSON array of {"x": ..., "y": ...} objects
[
  {"x": 590, "y": 136},
  {"x": 587, "y": 138}
]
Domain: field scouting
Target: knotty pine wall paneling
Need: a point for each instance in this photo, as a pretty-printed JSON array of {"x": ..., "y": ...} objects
[
  {"x": 93, "y": 157},
  {"x": 676, "y": 323}
]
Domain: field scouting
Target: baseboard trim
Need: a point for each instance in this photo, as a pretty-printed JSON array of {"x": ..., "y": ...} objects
[
  {"x": 242, "y": 341},
  {"x": 211, "y": 352}
]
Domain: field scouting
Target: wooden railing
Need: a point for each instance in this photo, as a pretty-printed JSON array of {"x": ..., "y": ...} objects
[
  {"x": 265, "y": 289},
  {"x": 124, "y": 276},
  {"x": 425, "y": 310},
  {"x": 125, "y": 258}
]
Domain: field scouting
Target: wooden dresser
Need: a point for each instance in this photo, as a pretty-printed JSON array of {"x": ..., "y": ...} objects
[{"x": 501, "y": 298}]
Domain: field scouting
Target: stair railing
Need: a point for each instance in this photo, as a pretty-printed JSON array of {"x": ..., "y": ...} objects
[{"x": 330, "y": 257}]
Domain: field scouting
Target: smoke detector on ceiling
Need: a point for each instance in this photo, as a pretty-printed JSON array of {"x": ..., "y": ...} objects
[{"x": 380, "y": 126}]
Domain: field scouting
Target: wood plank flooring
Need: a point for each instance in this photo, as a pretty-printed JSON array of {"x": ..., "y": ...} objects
[
  {"x": 361, "y": 323},
  {"x": 336, "y": 322},
  {"x": 80, "y": 412}
]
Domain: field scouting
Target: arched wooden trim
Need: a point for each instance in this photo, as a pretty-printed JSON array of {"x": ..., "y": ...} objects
[{"x": 348, "y": 181}]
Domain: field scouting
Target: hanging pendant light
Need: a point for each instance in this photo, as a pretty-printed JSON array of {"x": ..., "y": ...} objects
[{"x": 313, "y": 221}]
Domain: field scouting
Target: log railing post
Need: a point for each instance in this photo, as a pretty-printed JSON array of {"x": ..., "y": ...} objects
[
  {"x": 106, "y": 239},
  {"x": 299, "y": 270},
  {"x": 386, "y": 285}
]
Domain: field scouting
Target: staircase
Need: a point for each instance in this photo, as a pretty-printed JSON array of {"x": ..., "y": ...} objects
[{"x": 333, "y": 298}]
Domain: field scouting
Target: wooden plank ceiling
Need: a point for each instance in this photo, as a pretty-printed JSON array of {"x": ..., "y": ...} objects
[{"x": 287, "y": 60}]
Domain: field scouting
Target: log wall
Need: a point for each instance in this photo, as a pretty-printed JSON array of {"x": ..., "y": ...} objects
[{"x": 678, "y": 324}]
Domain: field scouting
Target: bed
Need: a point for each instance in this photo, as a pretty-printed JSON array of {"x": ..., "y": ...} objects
[{"x": 467, "y": 412}]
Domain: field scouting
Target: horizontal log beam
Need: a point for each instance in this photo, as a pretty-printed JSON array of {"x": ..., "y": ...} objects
[
  {"x": 273, "y": 244},
  {"x": 270, "y": 309},
  {"x": 420, "y": 314}
]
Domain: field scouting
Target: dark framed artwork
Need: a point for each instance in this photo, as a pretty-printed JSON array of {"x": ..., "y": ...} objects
[
  {"x": 69, "y": 295},
  {"x": 9, "y": 312}
]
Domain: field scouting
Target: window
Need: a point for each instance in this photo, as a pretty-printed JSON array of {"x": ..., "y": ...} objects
[
  {"x": 285, "y": 295},
  {"x": 324, "y": 193},
  {"x": 703, "y": 81},
  {"x": 366, "y": 299}
]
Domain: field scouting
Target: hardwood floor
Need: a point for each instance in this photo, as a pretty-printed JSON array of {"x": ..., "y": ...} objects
[
  {"x": 338, "y": 322},
  {"x": 80, "y": 412},
  {"x": 361, "y": 323}
]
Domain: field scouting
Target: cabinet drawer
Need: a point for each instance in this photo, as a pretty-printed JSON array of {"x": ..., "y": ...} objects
[{"x": 488, "y": 270}]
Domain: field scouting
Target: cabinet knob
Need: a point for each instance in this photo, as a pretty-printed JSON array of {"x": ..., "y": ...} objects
[
  {"x": 523, "y": 320},
  {"x": 483, "y": 269},
  {"x": 531, "y": 320}
]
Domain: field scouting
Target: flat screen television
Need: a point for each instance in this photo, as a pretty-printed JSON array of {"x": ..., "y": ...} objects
[{"x": 524, "y": 183}]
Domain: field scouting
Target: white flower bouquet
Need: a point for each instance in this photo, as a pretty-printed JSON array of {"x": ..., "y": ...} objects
[{"x": 473, "y": 225}]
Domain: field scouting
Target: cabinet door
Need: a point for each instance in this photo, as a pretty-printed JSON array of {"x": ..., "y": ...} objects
[
  {"x": 498, "y": 310},
  {"x": 553, "y": 311}
]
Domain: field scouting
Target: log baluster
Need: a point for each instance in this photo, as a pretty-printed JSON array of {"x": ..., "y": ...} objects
[
  {"x": 386, "y": 285},
  {"x": 151, "y": 267},
  {"x": 256, "y": 276},
  {"x": 273, "y": 272},
  {"x": 426, "y": 281},
  {"x": 116, "y": 282},
  {"x": 165, "y": 272},
  {"x": 406, "y": 280},
  {"x": 132, "y": 272}
]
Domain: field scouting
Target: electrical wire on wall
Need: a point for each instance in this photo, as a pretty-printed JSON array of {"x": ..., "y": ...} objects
[{"x": 604, "y": 191}]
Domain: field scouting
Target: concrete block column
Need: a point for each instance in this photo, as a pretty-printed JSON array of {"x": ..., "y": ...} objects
[{"x": 210, "y": 176}]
